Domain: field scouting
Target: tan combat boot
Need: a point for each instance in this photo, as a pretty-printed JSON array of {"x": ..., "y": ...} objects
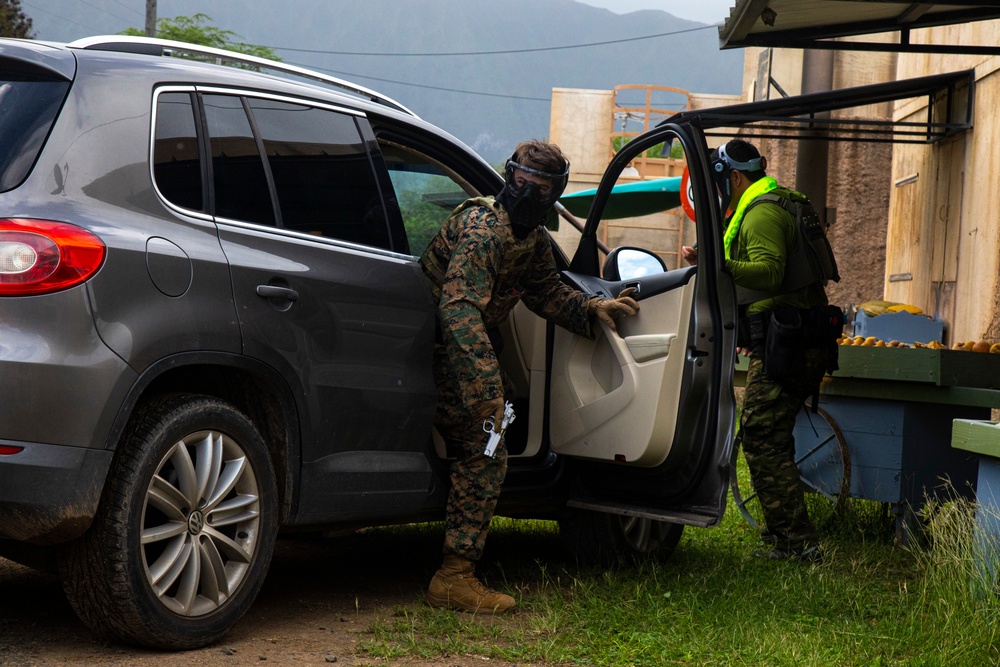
[{"x": 455, "y": 586}]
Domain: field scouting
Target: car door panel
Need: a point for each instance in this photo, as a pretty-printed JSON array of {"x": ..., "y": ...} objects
[
  {"x": 645, "y": 415},
  {"x": 615, "y": 398},
  {"x": 355, "y": 346},
  {"x": 322, "y": 297}
]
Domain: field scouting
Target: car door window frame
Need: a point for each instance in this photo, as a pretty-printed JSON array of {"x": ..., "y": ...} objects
[
  {"x": 205, "y": 163},
  {"x": 445, "y": 171},
  {"x": 395, "y": 233}
]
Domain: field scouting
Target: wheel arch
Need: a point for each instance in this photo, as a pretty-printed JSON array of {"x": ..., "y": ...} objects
[{"x": 255, "y": 389}]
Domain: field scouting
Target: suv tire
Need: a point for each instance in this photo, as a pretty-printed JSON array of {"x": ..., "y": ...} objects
[
  {"x": 185, "y": 529},
  {"x": 601, "y": 539}
]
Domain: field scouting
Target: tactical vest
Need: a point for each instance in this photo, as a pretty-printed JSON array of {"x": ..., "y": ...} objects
[{"x": 809, "y": 260}]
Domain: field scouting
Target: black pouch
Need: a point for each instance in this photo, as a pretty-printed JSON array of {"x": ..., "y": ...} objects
[
  {"x": 784, "y": 351},
  {"x": 823, "y": 327}
]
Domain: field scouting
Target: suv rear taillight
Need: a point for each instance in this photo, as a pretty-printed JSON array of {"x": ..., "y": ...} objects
[{"x": 42, "y": 256}]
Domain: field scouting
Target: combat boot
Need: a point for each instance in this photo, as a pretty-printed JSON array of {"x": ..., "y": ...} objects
[{"x": 455, "y": 586}]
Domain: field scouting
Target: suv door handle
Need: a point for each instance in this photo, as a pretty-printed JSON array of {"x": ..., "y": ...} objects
[{"x": 274, "y": 292}]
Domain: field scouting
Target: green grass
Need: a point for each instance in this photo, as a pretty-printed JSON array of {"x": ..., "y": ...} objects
[{"x": 869, "y": 603}]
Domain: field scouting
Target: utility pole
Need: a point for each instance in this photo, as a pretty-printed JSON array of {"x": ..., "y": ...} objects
[{"x": 150, "y": 18}]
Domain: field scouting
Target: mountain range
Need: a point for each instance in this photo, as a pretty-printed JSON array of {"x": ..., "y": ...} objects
[{"x": 494, "y": 93}]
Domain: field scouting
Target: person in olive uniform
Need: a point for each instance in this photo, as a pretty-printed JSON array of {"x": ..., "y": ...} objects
[
  {"x": 490, "y": 254},
  {"x": 758, "y": 240}
]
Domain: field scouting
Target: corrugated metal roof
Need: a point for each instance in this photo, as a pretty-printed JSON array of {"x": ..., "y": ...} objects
[{"x": 814, "y": 23}]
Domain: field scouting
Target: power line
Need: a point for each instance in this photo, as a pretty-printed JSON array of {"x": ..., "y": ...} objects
[
  {"x": 101, "y": 9},
  {"x": 60, "y": 16},
  {"x": 425, "y": 86},
  {"x": 493, "y": 53},
  {"x": 419, "y": 85},
  {"x": 131, "y": 9}
]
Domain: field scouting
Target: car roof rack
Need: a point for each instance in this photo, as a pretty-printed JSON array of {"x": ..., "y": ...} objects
[{"x": 166, "y": 47}]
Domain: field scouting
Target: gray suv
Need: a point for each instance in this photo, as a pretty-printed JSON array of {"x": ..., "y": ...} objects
[{"x": 213, "y": 328}]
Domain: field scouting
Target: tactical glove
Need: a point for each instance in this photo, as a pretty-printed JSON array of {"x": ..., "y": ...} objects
[{"x": 608, "y": 309}]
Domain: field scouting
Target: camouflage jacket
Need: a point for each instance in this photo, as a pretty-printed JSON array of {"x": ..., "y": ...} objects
[{"x": 478, "y": 272}]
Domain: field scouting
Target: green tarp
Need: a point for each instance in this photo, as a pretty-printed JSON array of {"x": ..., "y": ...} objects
[{"x": 629, "y": 199}]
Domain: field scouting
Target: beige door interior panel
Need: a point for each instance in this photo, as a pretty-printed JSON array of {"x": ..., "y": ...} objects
[
  {"x": 524, "y": 357},
  {"x": 528, "y": 330},
  {"x": 616, "y": 398}
]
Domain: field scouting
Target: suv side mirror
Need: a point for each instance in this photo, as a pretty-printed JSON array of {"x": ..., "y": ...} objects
[{"x": 630, "y": 263}]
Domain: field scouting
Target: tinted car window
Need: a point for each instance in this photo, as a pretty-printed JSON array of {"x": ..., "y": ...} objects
[
  {"x": 321, "y": 171},
  {"x": 241, "y": 189},
  {"x": 427, "y": 193},
  {"x": 27, "y": 108},
  {"x": 176, "y": 165}
]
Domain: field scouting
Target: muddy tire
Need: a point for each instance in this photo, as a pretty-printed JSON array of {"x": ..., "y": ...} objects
[{"x": 185, "y": 529}]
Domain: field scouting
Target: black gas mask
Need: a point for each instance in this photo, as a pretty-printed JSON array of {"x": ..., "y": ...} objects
[
  {"x": 526, "y": 205},
  {"x": 723, "y": 165}
]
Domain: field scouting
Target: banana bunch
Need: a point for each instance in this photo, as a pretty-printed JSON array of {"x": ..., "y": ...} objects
[{"x": 877, "y": 307}]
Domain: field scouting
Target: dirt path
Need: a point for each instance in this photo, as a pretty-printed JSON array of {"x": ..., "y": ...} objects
[{"x": 320, "y": 600}]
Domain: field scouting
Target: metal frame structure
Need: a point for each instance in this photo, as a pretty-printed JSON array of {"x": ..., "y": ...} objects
[{"x": 949, "y": 111}]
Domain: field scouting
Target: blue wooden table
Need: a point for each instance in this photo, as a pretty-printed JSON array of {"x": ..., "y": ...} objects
[
  {"x": 895, "y": 409},
  {"x": 982, "y": 438}
]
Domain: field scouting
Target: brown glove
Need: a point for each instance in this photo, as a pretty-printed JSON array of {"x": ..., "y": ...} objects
[
  {"x": 492, "y": 408},
  {"x": 608, "y": 309}
]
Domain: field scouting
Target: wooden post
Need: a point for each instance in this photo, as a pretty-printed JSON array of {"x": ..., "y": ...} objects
[{"x": 150, "y": 18}]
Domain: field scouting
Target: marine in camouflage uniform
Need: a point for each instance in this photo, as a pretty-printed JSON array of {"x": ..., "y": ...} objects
[
  {"x": 757, "y": 246},
  {"x": 490, "y": 254},
  {"x": 479, "y": 270}
]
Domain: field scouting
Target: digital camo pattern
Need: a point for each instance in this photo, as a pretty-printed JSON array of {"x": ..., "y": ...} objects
[
  {"x": 479, "y": 270},
  {"x": 767, "y": 421}
]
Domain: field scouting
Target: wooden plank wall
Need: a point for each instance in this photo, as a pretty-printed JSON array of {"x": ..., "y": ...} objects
[{"x": 944, "y": 226}]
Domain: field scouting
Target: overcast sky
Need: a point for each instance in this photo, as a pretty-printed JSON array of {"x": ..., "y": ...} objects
[{"x": 706, "y": 11}]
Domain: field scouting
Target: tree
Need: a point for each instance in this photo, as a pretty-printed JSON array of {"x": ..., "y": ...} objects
[
  {"x": 13, "y": 22},
  {"x": 195, "y": 30}
]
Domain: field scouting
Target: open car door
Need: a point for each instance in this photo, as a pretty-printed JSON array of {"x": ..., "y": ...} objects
[{"x": 646, "y": 413}]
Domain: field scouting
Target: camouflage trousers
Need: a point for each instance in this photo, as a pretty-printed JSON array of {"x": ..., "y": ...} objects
[
  {"x": 768, "y": 418},
  {"x": 476, "y": 480}
]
